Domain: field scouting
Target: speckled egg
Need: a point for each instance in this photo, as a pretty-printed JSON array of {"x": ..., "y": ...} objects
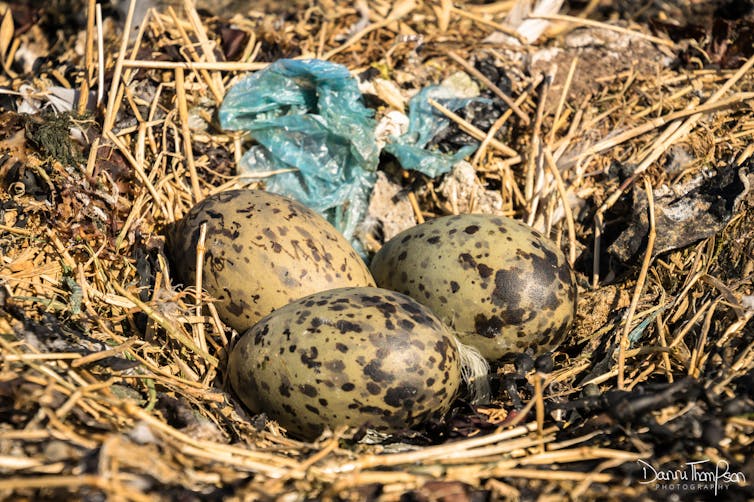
[
  {"x": 348, "y": 356},
  {"x": 262, "y": 251},
  {"x": 500, "y": 285}
]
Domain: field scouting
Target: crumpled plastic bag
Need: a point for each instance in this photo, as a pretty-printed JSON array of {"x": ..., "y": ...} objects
[
  {"x": 308, "y": 116},
  {"x": 316, "y": 139},
  {"x": 424, "y": 124}
]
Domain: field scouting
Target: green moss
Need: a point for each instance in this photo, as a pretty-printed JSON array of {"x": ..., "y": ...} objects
[{"x": 50, "y": 133}]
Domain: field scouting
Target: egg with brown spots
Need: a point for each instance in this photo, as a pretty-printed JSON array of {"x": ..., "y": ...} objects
[
  {"x": 348, "y": 356},
  {"x": 500, "y": 285},
  {"x": 262, "y": 251}
]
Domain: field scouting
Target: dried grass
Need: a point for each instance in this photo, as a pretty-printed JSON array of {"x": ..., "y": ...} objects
[{"x": 111, "y": 385}]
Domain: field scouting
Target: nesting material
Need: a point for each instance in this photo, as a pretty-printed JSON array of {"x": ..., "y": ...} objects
[{"x": 113, "y": 374}]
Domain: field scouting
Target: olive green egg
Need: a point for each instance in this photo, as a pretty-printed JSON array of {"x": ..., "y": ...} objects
[
  {"x": 262, "y": 251},
  {"x": 348, "y": 356},
  {"x": 500, "y": 285}
]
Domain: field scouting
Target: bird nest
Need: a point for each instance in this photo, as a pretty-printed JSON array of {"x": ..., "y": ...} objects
[{"x": 625, "y": 135}]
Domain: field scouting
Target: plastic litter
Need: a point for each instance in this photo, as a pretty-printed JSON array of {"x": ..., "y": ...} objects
[
  {"x": 316, "y": 139},
  {"x": 308, "y": 116},
  {"x": 424, "y": 123}
]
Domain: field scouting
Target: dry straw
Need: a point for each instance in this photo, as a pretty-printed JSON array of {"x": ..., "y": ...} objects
[{"x": 111, "y": 377}]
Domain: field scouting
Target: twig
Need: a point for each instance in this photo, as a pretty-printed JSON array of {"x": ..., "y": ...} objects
[
  {"x": 14, "y": 230},
  {"x": 88, "y": 58},
  {"x": 168, "y": 326},
  {"x": 430, "y": 452},
  {"x": 211, "y": 84},
  {"x": 492, "y": 24},
  {"x": 113, "y": 95},
  {"x": 653, "y": 124},
  {"x": 193, "y": 65},
  {"x": 470, "y": 129},
  {"x": 261, "y": 461},
  {"x": 200, "y": 249},
  {"x": 550, "y": 163},
  {"x": 539, "y": 408},
  {"x": 188, "y": 151},
  {"x": 400, "y": 10},
  {"x": 697, "y": 355},
  {"x": 100, "y": 57},
  {"x": 217, "y": 87},
  {"x": 680, "y": 130},
  {"x": 97, "y": 356},
  {"x": 563, "y": 96},
  {"x": 60, "y": 248},
  {"x": 639, "y": 285},
  {"x": 534, "y": 160},
  {"x": 139, "y": 170},
  {"x": 499, "y": 123},
  {"x": 132, "y": 215},
  {"x": 47, "y": 356},
  {"x": 606, "y": 26},
  {"x": 415, "y": 206},
  {"x": 61, "y": 481}
]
